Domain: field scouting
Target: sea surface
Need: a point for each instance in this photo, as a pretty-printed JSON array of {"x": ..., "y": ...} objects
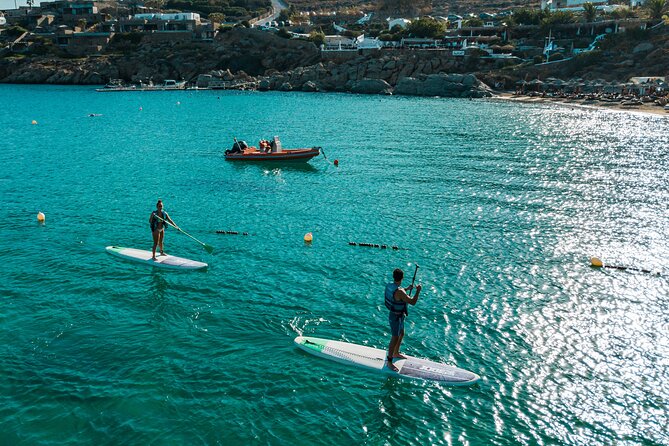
[{"x": 501, "y": 204}]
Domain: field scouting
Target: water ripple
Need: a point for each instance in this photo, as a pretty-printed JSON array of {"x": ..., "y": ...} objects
[{"x": 500, "y": 204}]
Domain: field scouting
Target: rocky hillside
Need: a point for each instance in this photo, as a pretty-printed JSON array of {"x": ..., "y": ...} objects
[
  {"x": 239, "y": 49},
  {"x": 272, "y": 62},
  {"x": 621, "y": 56}
]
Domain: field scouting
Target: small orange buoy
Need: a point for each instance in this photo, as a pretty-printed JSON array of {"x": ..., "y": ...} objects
[
  {"x": 34, "y": 122},
  {"x": 308, "y": 237},
  {"x": 336, "y": 162},
  {"x": 41, "y": 217}
]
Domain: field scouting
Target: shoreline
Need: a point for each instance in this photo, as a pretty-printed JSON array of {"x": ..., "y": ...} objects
[{"x": 646, "y": 108}]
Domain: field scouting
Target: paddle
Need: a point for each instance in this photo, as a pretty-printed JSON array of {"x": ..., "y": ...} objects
[
  {"x": 413, "y": 280},
  {"x": 208, "y": 248}
]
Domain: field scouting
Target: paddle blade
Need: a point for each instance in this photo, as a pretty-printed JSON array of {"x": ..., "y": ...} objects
[{"x": 208, "y": 248}]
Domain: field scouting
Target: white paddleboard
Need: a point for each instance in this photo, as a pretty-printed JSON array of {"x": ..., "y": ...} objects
[
  {"x": 375, "y": 359},
  {"x": 166, "y": 261}
]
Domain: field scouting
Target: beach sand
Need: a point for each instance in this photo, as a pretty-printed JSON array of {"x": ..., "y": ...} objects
[{"x": 587, "y": 103}]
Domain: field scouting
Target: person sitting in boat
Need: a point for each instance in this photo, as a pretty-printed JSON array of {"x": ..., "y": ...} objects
[
  {"x": 237, "y": 147},
  {"x": 264, "y": 146}
]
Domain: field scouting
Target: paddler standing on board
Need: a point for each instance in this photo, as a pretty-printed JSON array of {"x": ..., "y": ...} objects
[
  {"x": 397, "y": 301},
  {"x": 158, "y": 221}
]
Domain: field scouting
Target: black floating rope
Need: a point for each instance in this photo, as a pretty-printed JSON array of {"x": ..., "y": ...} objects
[
  {"x": 232, "y": 233},
  {"x": 376, "y": 245}
]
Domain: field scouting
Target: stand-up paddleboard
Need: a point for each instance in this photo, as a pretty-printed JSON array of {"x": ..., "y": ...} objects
[
  {"x": 167, "y": 261},
  {"x": 374, "y": 358}
]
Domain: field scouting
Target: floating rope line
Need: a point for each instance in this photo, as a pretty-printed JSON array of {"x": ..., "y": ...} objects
[
  {"x": 376, "y": 245},
  {"x": 233, "y": 233}
]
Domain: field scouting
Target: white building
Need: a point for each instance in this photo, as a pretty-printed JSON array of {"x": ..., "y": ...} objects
[
  {"x": 402, "y": 23},
  {"x": 342, "y": 43},
  {"x": 369, "y": 43},
  {"x": 175, "y": 17},
  {"x": 571, "y": 5},
  {"x": 365, "y": 19}
]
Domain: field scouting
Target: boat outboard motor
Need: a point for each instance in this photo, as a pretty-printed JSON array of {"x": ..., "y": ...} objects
[{"x": 237, "y": 147}]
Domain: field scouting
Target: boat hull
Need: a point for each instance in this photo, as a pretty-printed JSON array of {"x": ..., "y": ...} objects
[{"x": 286, "y": 155}]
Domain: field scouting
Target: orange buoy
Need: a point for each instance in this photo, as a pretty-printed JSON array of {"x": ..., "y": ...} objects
[
  {"x": 41, "y": 217},
  {"x": 34, "y": 122},
  {"x": 308, "y": 237}
]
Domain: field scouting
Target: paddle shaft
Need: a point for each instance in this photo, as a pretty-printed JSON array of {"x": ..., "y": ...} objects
[
  {"x": 207, "y": 247},
  {"x": 414, "y": 279}
]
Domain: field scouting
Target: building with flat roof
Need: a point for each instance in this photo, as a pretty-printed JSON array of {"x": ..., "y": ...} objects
[{"x": 555, "y": 5}]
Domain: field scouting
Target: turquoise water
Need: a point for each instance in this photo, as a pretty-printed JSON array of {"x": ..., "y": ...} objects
[{"x": 501, "y": 204}]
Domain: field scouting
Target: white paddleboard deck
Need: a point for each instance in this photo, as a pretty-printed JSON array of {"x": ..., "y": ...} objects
[
  {"x": 375, "y": 359},
  {"x": 166, "y": 261}
]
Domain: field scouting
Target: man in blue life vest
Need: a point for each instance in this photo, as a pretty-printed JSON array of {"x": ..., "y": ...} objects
[{"x": 397, "y": 300}]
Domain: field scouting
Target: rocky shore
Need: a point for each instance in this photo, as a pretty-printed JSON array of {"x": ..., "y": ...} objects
[
  {"x": 247, "y": 58},
  {"x": 408, "y": 75},
  {"x": 253, "y": 59}
]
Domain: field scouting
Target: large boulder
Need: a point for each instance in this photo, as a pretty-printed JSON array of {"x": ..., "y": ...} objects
[
  {"x": 371, "y": 86},
  {"x": 441, "y": 84},
  {"x": 643, "y": 47},
  {"x": 310, "y": 86},
  {"x": 407, "y": 86}
]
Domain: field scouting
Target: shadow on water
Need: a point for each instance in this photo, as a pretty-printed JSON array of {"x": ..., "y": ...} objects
[{"x": 273, "y": 165}]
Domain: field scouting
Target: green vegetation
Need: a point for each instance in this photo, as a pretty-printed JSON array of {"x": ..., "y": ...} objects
[
  {"x": 318, "y": 37},
  {"x": 217, "y": 17},
  {"x": 622, "y": 13},
  {"x": 288, "y": 14},
  {"x": 229, "y": 8},
  {"x": 656, "y": 8},
  {"x": 474, "y": 21},
  {"x": 15, "y": 31},
  {"x": 387, "y": 37},
  {"x": 589, "y": 12},
  {"x": 426, "y": 28},
  {"x": 557, "y": 18},
  {"x": 527, "y": 16}
]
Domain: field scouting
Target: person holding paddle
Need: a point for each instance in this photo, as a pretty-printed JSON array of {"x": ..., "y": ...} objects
[
  {"x": 158, "y": 221},
  {"x": 397, "y": 301}
]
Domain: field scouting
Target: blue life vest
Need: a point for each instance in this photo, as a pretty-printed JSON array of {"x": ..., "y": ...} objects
[
  {"x": 395, "y": 306},
  {"x": 155, "y": 222}
]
